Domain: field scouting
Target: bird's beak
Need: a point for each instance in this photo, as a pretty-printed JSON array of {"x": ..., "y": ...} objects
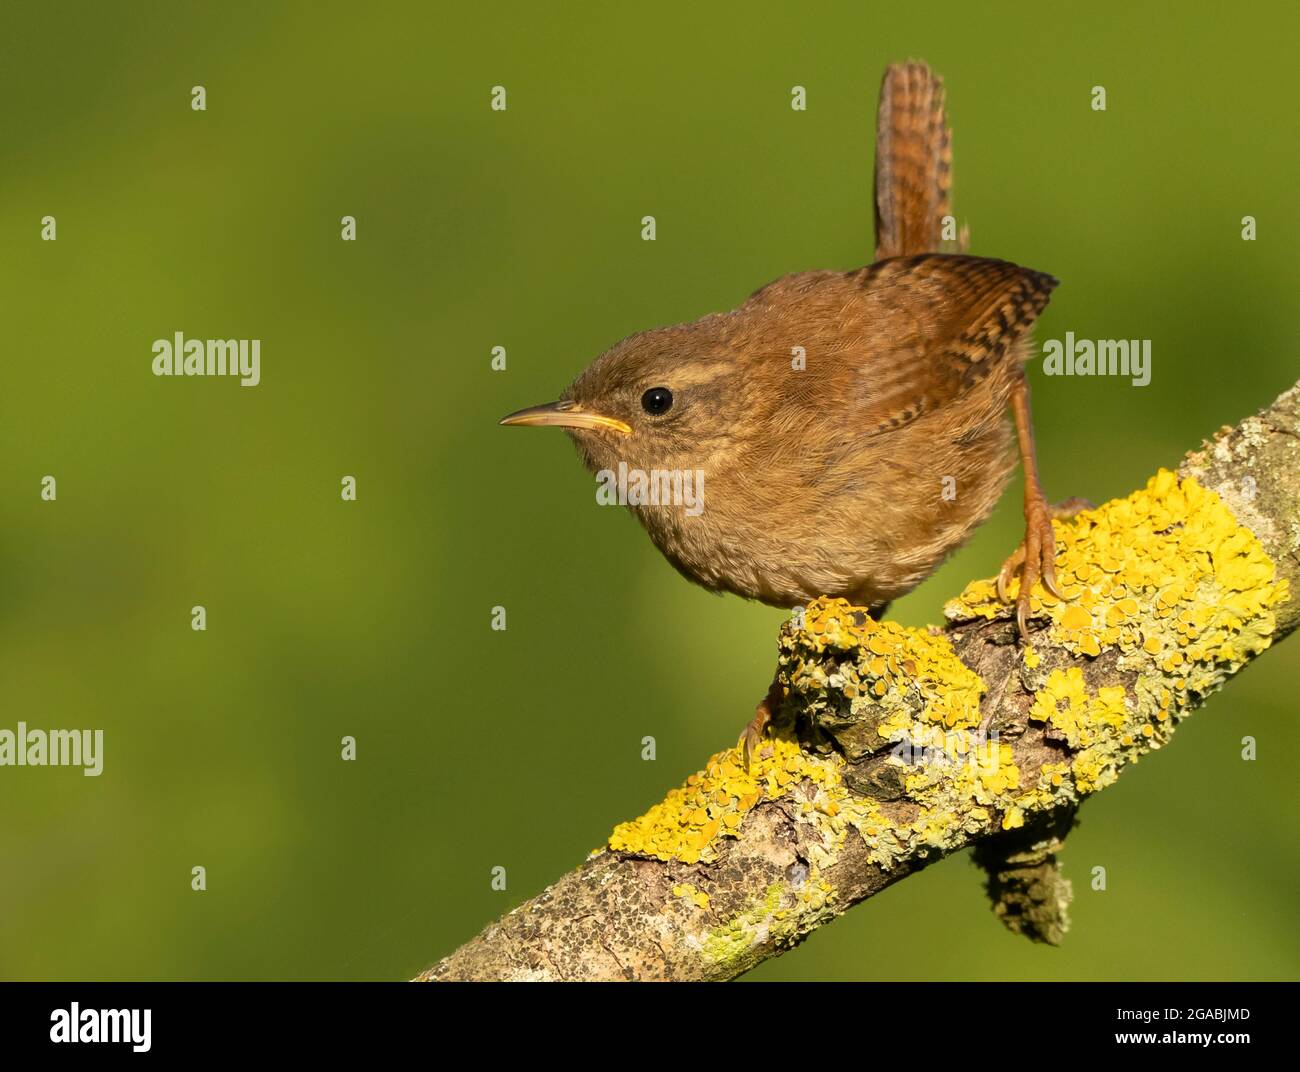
[{"x": 566, "y": 415}]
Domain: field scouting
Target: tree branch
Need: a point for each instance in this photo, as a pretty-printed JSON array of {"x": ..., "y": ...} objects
[{"x": 897, "y": 746}]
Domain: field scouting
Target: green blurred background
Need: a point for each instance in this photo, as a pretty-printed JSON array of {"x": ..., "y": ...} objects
[{"x": 521, "y": 229}]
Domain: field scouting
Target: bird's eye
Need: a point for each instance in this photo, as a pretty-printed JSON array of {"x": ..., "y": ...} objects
[{"x": 657, "y": 400}]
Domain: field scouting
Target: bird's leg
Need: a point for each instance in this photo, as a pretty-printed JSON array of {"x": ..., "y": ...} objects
[
  {"x": 757, "y": 728},
  {"x": 1035, "y": 559}
]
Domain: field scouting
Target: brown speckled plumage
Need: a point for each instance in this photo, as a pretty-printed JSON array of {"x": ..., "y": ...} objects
[{"x": 827, "y": 480}]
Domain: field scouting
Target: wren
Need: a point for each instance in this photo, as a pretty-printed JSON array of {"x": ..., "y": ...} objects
[{"x": 830, "y": 411}]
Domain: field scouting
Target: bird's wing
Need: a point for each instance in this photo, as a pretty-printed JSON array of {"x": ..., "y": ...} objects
[
  {"x": 934, "y": 327},
  {"x": 913, "y": 162}
]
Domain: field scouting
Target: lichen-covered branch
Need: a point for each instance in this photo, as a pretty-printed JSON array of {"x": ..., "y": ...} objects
[{"x": 897, "y": 746}]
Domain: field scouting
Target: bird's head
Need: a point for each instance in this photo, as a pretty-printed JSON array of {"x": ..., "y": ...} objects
[{"x": 663, "y": 399}]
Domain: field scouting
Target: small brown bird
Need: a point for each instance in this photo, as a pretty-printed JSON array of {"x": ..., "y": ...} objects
[{"x": 850, "y": 426}]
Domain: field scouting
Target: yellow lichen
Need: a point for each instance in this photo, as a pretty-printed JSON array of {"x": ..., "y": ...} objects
[
  {"x": 909, "y": 689},
  {"x": 908, "y": 685},
  {"x": 1165, "y": 577},
  {"x": 893, "y": 678},
  {"x": 1065, "y": 704},
  {"x": 1089, "y": 724},
  {"x": 1169, "y": 581},
  {"x": 713, "y": 803}
]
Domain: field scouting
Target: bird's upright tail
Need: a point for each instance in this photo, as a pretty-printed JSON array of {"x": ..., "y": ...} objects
[{"x": 913, "y": 163}]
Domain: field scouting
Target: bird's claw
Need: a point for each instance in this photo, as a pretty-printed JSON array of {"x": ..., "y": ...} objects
[{"x": 1034, "y": 561}]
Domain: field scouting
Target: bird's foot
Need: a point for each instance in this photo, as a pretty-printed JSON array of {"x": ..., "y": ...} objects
[
  {"x": 1035, "y": 559},
  {"x": 757, "y": 728}
]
